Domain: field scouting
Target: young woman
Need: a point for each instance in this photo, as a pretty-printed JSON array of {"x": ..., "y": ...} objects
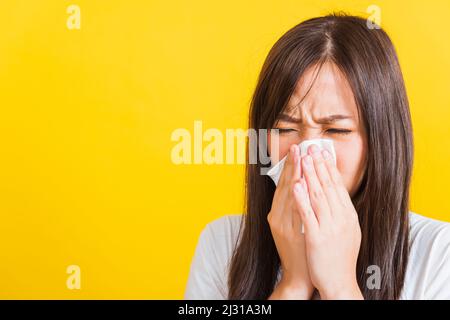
[{"x": 328, "y": 77}]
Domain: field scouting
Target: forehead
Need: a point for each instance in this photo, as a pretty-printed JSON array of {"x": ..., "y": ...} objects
[{"x": 322, "y": 92}]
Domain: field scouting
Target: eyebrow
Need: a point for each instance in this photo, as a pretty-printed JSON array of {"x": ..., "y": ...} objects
[{"x": 325, "y": 120}]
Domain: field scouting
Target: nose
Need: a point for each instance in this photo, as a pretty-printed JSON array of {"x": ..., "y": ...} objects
[{"x": 310, "y": 135}]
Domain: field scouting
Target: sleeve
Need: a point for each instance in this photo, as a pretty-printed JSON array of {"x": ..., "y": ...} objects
[
  {"x": 205, "y": 281},
  {"x": 438, "y": 275}
]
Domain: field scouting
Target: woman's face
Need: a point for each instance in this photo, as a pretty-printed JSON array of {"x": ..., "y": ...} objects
[{"x": 330, "y": 97}]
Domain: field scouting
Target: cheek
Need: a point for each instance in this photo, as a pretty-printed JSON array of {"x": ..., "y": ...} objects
[{"x": 350, "y": 161}]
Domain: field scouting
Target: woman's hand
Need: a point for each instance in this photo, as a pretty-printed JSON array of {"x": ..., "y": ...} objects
[
  {"x": 332, "y": 231},
  {"x": 285, "y": 225}
]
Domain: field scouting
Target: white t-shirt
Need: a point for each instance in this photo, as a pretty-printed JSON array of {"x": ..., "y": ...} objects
[{"x": 427, "y": 275}]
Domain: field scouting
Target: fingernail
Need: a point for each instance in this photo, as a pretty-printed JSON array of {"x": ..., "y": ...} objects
[
  {"x": 298, "y": 188},
  {"x": 314, "y": 149},
  {"x": 326, "y": 154},
  {"x": 303, "y": 183},
  {"x": 308, "y": 160}
]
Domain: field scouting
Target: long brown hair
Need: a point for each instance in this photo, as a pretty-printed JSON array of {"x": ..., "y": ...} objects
[{"x": 368, "y": 60}]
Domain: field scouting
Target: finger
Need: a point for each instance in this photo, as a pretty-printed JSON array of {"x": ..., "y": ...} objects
[
  {"x": 288, "y": 168},
  {"x": 297, "y": 168},
  {"x": 336, "y": 177},
  {"x": 319, "y": 201},
  {"x": 303, "y": 205},
  {"x": 297, "y": 224},
  {"x": 296, "y": 221},
  {"x": 324, "y": 178},
  {"x": 281, "y": 192},
  {"x": 284, "y": 189}
]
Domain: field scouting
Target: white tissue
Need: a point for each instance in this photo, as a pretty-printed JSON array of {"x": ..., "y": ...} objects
[{"x": 327, "y": 144}]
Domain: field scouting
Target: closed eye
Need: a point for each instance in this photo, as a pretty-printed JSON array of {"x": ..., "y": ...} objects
[
  {"x": 285, "y": 130},
  {"x": 338, "y": 131}
]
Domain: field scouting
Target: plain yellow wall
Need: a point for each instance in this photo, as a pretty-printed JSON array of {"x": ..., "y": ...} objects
[{"x": 86, "y": 176}]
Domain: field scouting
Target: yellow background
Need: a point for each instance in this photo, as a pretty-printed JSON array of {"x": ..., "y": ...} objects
[{"x": 86, "y": 118}]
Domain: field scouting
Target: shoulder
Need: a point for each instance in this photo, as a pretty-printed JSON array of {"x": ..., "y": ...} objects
[
  {"x": 224, "y": 227},
  {"x": 427, "y": 235},
  {"x": 219, "y": 239},
  {"x": 208, "y": 274},
  {"x": 424, "y": 226},
  {"x": 428, "y": 271}
]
